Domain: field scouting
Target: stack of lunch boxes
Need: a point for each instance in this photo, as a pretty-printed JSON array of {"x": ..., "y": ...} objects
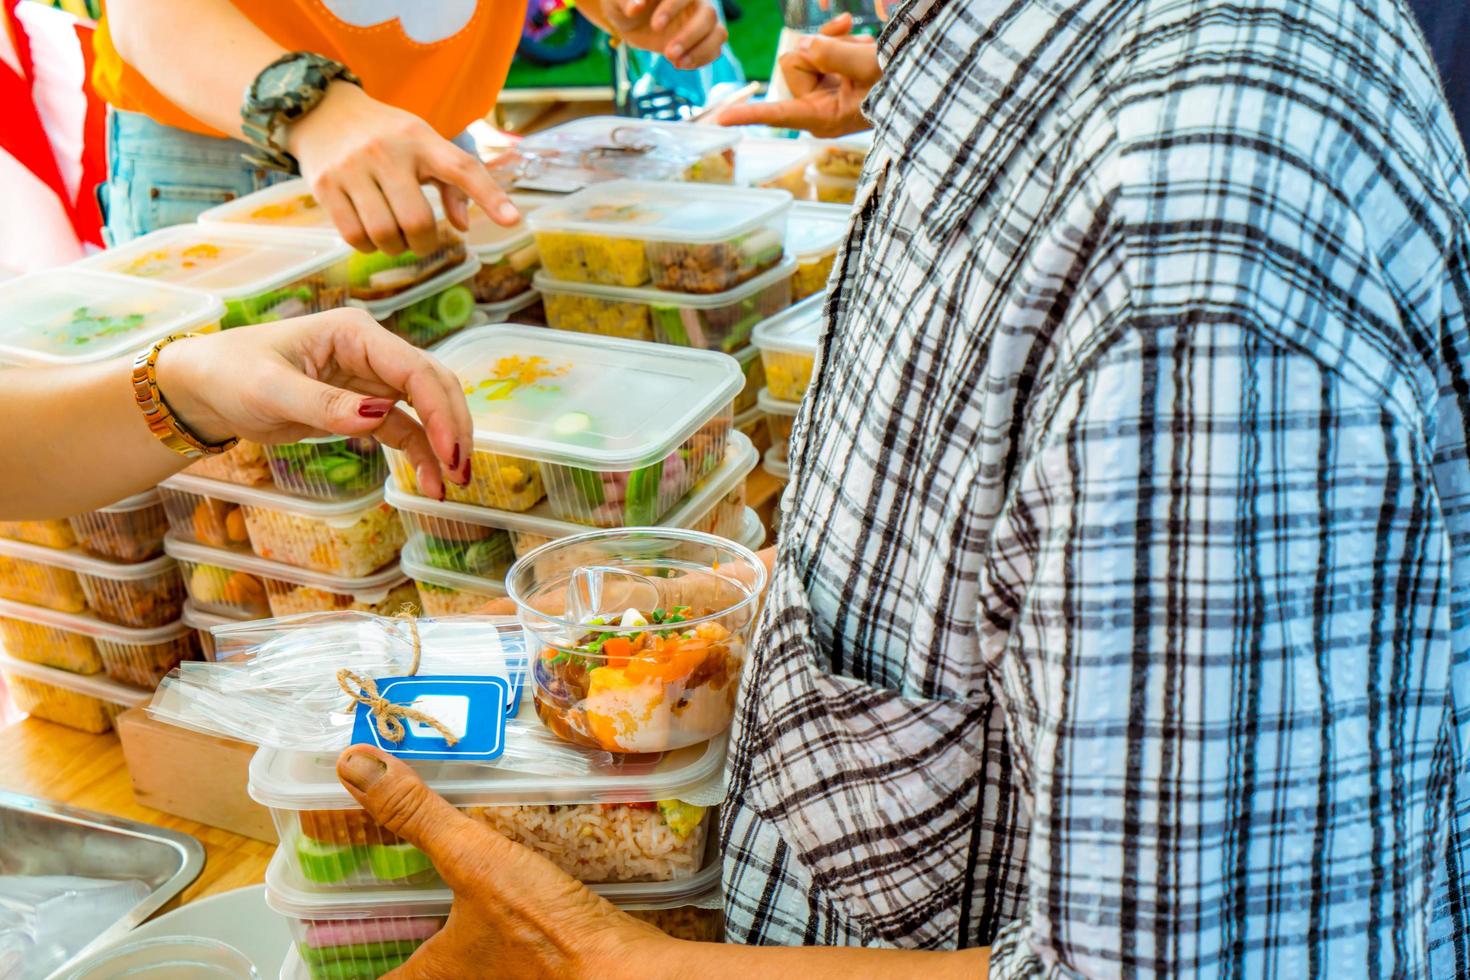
[{"x": 91, "y": 609}]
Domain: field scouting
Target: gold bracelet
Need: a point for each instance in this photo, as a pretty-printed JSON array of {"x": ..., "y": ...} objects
[{"x": 161, "y": 421}]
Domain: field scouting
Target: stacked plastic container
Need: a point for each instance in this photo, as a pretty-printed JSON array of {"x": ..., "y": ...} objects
[
  {"x": 595, "y": 149},
  {"x": 788, "y": 349},
  {"x": 359, "y": 900},
  {"x": 259, "y": 274},
  {"x": 421, "y": 298},
  {"x": 837, "y": 165},
  {"x": 815, "y": 233},
  {"x": 90, "y": 606},
  {"x": 775, "y": 164}
]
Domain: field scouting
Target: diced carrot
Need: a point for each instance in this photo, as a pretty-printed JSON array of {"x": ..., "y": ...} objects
[{"x": 618, "y": 649}]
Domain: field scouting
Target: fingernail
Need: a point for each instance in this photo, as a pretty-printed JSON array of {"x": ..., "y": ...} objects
[
  {"x": 361, "y": 771},
  {"x": 804, "y": 43},
  {"x": 374, "y": 408},
  {"x": 454, "y": 458},
  {"x": 676, "y": 51},
  {"x": 464, "y": 475},
  {"x": 508, "y": 212},
  {"x": 443, "y": 494}
]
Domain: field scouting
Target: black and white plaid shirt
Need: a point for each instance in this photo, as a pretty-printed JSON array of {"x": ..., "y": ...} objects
[{"x": 1122, "y": 610}]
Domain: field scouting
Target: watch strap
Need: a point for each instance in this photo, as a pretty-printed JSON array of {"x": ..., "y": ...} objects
[{"x": 162, "y": 422}]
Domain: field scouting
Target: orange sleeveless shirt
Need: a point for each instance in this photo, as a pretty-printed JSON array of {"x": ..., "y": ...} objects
[{"x": 443, "y": 60}]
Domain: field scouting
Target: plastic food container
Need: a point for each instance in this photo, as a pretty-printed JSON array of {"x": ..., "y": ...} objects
[
  {"x": 752, "y": 531},
  {"x": 142, "y": 596},
  {"x": 508, "y": 257},
  {"x": 719, "y": 321},
  {"x": 347, "y": 538},
  {"x": 813, "y": 235},
  {"x": 260, "y": 275},
  {"x": 618, "y": 431},
  {"x": 431, "y": 310},
  {"x": 443, "y": 592},
  {"x": 754, "y": 370},
  {"x": 602, "y": 825},
  {"x": 843, "y": 157},
  {"x": 330, "y": 468},
  {"x": 202, "y": 622},
  {"x": 525, "y": 308},
  {"x": 371, "y": 276},
  {"x": 676, "y": 236},
  {"x": 608, "y": 146},
  {"x": 446, "y": 537},
  {"x": 77, "y": 701},
  {"x": 639, "y": 647},
  {"x": 80, "y": 316},
  {"x": 780, "y": 416},
  {"x": 55, "y": 533},
  {"x": 751, "y": 423},
  {"x": 246, "y": 465},
  {"x": 361, "y": 935},
  {"x": 775, "y": 164},
  {"x": 834, "y": 190},
  {"x": 775, "y": 462},
  {"x": 249, "y": 587},
  {"x": 130, "y": 530},
  {"x": 195, "y": 514},
  {"x": 87, "y": 645},
  {"x": 788, "y": 346}
]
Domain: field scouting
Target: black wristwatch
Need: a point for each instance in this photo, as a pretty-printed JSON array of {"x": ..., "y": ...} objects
[{"x": 287, "y": 89}]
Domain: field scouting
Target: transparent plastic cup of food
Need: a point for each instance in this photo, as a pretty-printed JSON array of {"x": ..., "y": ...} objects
[
  {"x": 168, "y": 958},
  {"x": 637, "y": 646}
]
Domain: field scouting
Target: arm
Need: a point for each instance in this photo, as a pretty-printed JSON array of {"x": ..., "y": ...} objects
[
  {"x": 76, "y": 440},
  {"x": 687, "y": 32},
  {"x": 1222, "y": 572},
  {"x": 515, "y": 909},
  {"x": 365, "y": 159}
]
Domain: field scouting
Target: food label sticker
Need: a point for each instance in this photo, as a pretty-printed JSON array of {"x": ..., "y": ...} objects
[{"x": 472, "y": 708}]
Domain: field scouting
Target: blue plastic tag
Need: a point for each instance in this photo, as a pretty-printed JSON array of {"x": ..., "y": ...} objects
[{"x": 472, "y": 707}]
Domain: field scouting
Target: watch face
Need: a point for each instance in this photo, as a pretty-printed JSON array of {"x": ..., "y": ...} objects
[{"x": 280, "y": 81}]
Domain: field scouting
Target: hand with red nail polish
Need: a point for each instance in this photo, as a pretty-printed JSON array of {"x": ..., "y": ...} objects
[{"x": 338, "y": 373}]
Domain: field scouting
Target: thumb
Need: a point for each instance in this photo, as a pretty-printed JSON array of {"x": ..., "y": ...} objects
[
  {"x": 394, "y": 796},
  {"x": 295, "y": 398}
]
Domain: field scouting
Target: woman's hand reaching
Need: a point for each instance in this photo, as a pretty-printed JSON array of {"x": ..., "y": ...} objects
[{"x": 829, "y": 75}]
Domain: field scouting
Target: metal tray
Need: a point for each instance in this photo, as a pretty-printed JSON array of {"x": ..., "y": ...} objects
[{"x": 39, "y": 837}]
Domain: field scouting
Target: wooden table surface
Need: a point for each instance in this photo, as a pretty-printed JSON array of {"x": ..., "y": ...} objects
[{"x": 38, "y": 758}]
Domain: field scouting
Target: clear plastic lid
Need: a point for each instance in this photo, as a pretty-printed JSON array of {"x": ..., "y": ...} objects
[
  {"x": 383, "y": 308},
  {"x": 740, "y": 459},
  {"x": 79, "y": 561},
  {"x": 287, "y": 779},
  {"x": 663, "y": 297},
  {"x": 857, "y": 142},
  {"x": 138, "y": 501},
  {"x": 758, "y": 159},
  {"x": 370, "y": 588},
  {"x": 491, "y": 240},
  {"x": 76, "y": 316},
  {"x": 487, "y": 313},
  {"x": 623, "y": 134},
  {"x": 661, "y": 212},
  {"x": 198, "y": 619},
  {"x": 289, "y": 204},
  {"x": 90, "y": 625},
  {"x": 334, "y": 513},
  {"x": 775, "y": 406},
  {"x": 98, "y": 686},
  {"x": 792, "y": 331},
  {"x": 228, "y": 262},
  {"x": 285, "y": 897},
  {"x": 581, "y": 400},
  {"x": 814, "y": 230}
]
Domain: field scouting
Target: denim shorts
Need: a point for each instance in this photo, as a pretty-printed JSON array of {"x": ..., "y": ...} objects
[{"x": 158, "y": 175}]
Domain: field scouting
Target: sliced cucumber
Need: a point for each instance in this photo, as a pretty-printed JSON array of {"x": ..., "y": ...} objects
[
  {"x": 641, "y": 507},
  {"x": 571, "y": 423},
  {"x": 454, "y": 307}
]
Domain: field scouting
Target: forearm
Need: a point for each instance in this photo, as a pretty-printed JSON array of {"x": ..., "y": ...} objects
[
  {"x": 708, "y": 961},
  {"x": 74, "y": 440},
  {"x": 208, "y": 75}
]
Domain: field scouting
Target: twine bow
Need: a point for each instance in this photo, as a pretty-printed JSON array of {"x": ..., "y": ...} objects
[{"x": 388, "y": 714}]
